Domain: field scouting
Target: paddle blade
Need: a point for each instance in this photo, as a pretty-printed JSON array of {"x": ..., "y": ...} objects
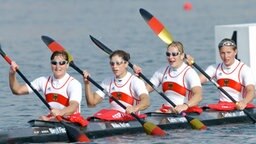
[
  {"x": 157, "y": 27},
  {"x": 101, "y": 45},
  {"x": 74, "y": 134},
  {"x": 196, "y": 123},
  {"x": 54, "y": 46},
  {"x": 152, "y": 129}
]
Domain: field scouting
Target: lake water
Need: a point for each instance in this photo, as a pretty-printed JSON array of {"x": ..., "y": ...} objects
[{"x": 118, "y": 24}]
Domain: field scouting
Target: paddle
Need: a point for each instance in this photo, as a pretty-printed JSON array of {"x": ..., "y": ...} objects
[
  {"x": 156, "y": 26},
  {"x": 74, "y": 134},
  {"x": 195, "y": 123},
  {"x": 234, "y": 38},
  {"x": 165, "y": 36},
  {"x": 149, "y": 127}
]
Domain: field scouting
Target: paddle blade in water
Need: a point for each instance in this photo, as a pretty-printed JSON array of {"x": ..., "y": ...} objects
[
  {"x": 74, "y": 134},
  {"x": 153, "y": 129},
  {"x": 196, "y": 124}
]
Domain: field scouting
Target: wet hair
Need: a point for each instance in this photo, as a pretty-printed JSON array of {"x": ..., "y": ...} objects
[
  {"x": 124, "y": 55},
  {"x": 177, "y": 44},
  {"x": 64, "y": 54},
  {"x": 227, "y": 42}
]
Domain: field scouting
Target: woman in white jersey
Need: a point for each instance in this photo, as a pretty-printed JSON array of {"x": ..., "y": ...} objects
[
  {"x": 62, "y": 92},
  {"x": 127, "y": 88},
  {"x": 233, "y": 76},
  {"x": 179, "y": 82}
]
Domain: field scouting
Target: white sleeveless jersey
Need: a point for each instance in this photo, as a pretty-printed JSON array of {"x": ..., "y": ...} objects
[
  {"x": 232, "y": 79},
  {"x": 127, "y": 90},
  {"x": 58, "y": 92},
  {"x": 176, "y": 84}
]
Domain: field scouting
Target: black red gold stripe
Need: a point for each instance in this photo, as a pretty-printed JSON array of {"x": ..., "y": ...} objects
[{"x": 156, "y": 26}]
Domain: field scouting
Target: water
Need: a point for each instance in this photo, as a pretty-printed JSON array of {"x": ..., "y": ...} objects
[
  {"x": 118, "y": 25},
  {"x": 237, "y": 133}
]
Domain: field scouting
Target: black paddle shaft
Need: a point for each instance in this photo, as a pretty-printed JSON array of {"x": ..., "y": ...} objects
[
  {"x": 8, "y": 60},
  {"x": 34, "y": 90}
]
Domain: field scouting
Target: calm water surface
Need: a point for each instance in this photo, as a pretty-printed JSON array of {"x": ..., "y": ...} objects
[{"x": 119, "y": 25}]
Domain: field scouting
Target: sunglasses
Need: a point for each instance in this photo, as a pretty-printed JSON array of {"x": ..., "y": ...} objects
[
  {"x": 117, "y": 63},
  {"x": 227, "y": 43},
  {"x": 172, "y": 54},
  {"x": 59, "y": 62}
]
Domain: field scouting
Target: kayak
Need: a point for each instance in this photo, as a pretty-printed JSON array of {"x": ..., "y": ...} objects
[{"x": 44, "y": 131}]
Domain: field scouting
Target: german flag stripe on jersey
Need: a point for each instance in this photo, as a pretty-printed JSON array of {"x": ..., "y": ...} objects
[{"x": 230, "y": 83}]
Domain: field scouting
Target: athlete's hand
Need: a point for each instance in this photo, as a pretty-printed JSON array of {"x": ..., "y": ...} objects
[
  {"x": 241, "y": 105},
  {"x": 56, "y": 112},
  {"x": 137, "y": 70},
  {"x": 179, "y": 108},
  {"x": 131, "y": 109},
  {"x": 86, "y": 74},
  {"x": 189, "y": 59},
  {"x": 13, "y": 67}
]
